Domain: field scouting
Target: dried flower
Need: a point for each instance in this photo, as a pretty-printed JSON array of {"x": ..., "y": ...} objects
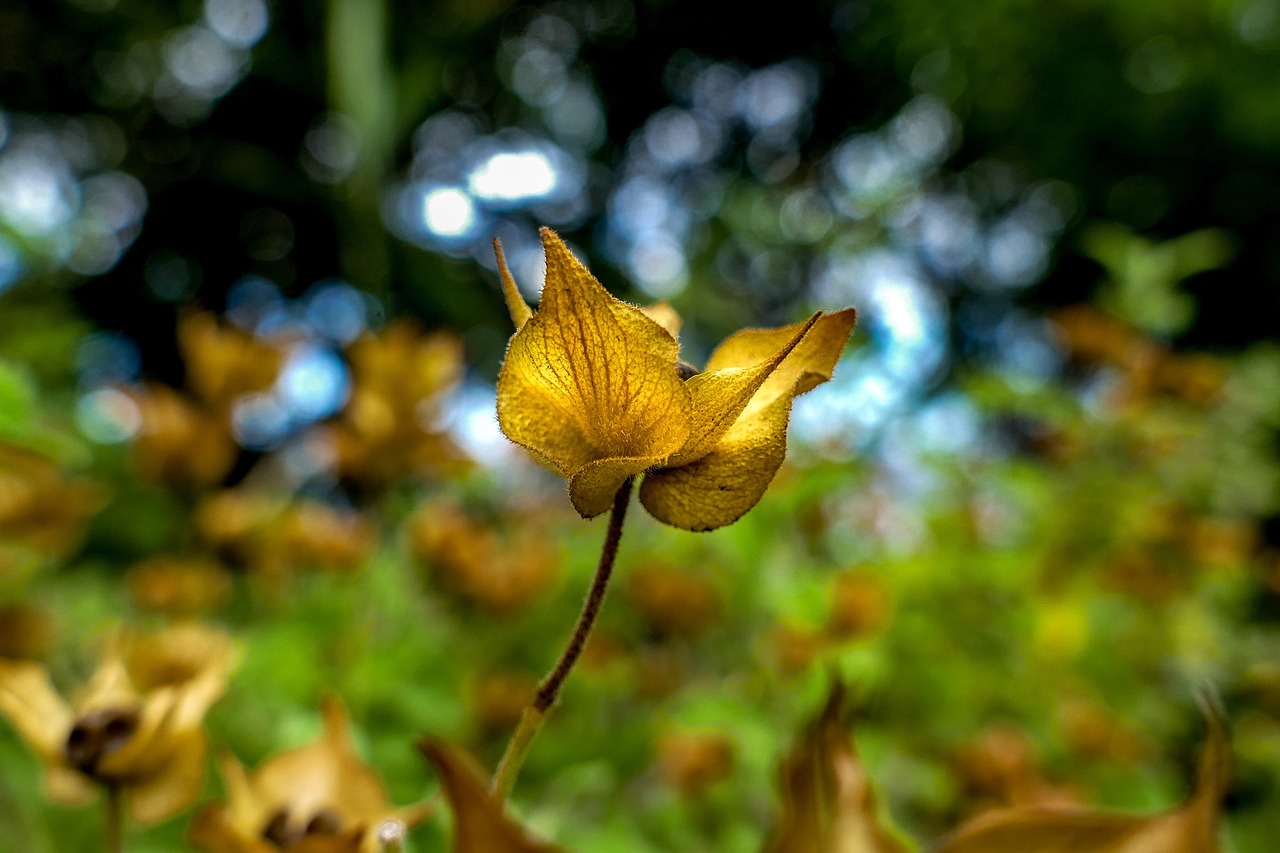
[
  {"x": 390, "y": 426},
  {"x": 222, "y": 362},
  {"x": 693, "y": 761},
  {"x": 594, "y": 389},
  {"x": 41, "y": 508},
  {"x": 499, "y": 573},
  {"x": 318, "y": 798},
  {"x": 136, "y": 728}
]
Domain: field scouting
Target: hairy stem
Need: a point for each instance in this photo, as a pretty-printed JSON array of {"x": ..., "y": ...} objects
[{"x": 549, "y": 689}]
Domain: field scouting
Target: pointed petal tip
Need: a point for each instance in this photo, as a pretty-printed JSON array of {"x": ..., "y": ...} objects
[{"x": 516, "y": 306}]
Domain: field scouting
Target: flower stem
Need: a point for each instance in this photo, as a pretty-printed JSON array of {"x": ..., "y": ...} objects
[
  {"x": 113, "y": 833},
  {"x": 549, "y": 689},
  {"x": 391, "y": 836}
]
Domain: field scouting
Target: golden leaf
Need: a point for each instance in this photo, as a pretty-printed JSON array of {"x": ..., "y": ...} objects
[
  {"x": 479, "y": 825},
  {"x": 1190, "y": 828},
  {"x": 828, "y": 802}
]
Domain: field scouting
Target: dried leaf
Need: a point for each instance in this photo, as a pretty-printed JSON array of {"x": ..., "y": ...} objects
[
  {"x": 1190, "y": 828},
  {"x": 479, "y": 825},
  {"x": 828, "y": 802}
]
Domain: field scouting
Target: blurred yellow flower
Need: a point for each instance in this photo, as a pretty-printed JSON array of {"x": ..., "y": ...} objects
[
  {"x": 136, "y": 728},
  {"x": 179, "y": 585},
  {"x": 389, "y": 428},
  {"x": 274, "y": 535},
  {"x": 320, "y": 798},
  {"x": 675, "y": 603},
  {"x": 594, "y": 389},
  {"x": 691, "y": 761},
  {"x": 501, "y": 568},
  {"x": 180, "y": 441},
  {"x": 222, "y": 362},
  {"x": 42, "y": 509}
]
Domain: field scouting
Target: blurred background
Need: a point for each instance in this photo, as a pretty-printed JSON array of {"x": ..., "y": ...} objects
[{"x": 250, "y": 324}]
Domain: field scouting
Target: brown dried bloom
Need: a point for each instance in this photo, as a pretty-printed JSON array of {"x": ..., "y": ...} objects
[
  {"x": 389, "y": 428},
  {"x": 137, "y": 726},
  {"x": 41, "y": 508},
  {"x": 317, "y": 798}
]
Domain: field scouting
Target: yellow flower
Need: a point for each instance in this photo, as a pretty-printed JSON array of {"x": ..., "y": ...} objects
[
  {"x": 222, "y": 362},
  {"x": 42, "y": 508},
  {"x": 389, "y": 428},
  {"x": 138, "y": 725},
  {"x": 594, "y": 389},
  {"x": 320, "y": 798}
]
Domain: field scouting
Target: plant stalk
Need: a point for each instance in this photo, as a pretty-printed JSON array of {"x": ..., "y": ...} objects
[
  {"x": 536, "y": 711},
  {"x": 113, "y": 832}
]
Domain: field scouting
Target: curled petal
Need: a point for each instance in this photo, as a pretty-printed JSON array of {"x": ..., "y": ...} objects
[
  {"x": 593, "y": 487},
  {"x": 720, "y": 396},
  {"x": 719, "y": 488},
  {"x": 809, "y": 364}
]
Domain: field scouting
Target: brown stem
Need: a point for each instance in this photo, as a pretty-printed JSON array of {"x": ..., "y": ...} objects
[
  {"x": 114, "y": 831},
  {"x": 549, "y": 688}
]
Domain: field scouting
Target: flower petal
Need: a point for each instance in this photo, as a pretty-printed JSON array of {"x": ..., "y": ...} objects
[
  {"x": 1193, "y": 827},
  {"x": 183, "y": 670},
  {"x": 592, "y": 488},
  {"x": 720, "y": 396},
  {"x": 34, "y": 708},
  {"x": 516, "y": 306},
  {"x": 720, "y": 487},
  {"x": 809, "y": 365},
  {"x": 326, "y": 774},
  {"x": 665, "y": 316},
  {"x": 589, "y": 377},
  {"x": 67, "y": 786},
  {"x": 174, "y": 787},
  {"x": 242, "y": 809}
]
